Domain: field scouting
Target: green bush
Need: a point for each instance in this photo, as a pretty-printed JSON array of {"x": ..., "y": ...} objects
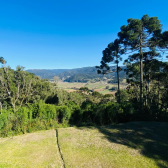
[
  {"x": 50, "y": 112},
  {"x": 107, "y": 87},
  {"x": 3, "y": 120},
  {"x": 96, "y": 94},
  {"x": 107, "y": 113},
  {"x": 64, "y": 113},
  {"x": 123, "y": 96},
  {"x": 127, "y": 112},
  {"x": 113, "y": 88}
]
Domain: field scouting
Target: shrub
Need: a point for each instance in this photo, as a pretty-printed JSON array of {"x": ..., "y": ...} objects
[
  {"x": 23, "y": 118},
  {"x": 50, "y": 112},
  {"x": 123, "y": 96},
  {"x": 3, "y": 120},
  {"x": 107, "y": 113},
  {"x": 64, "y": 113},
  {"x": 113, "y": 88},
  {"x": 107, "y": 87},
  {"x": 96, "y": 94}
]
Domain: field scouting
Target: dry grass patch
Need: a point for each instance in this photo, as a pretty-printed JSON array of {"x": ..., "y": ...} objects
[{"x": 30, "y": 150}]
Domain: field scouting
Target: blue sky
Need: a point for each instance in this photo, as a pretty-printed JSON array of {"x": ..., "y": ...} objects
[{"x": 52, "y": 34}]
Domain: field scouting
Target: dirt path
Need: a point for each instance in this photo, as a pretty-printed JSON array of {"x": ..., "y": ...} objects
[{"x": 60, "y": 152}]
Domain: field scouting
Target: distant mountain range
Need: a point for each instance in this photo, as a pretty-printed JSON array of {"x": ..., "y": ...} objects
[{"x": 76, "y": 75}]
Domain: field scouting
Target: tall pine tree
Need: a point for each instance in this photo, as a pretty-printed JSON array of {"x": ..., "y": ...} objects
[{"x": 135, "y": 37}]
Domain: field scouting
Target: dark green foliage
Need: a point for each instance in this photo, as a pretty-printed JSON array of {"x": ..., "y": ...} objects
[
  {"x": 2, "y": 61},
  {"x": 76, "y": 117},
  {"x": 96, "y": 94},
  {"x": 123, "y": 96},
  {"x": 88, "y": 108},
  {"x": 126, "y": 114},
  {"x": 113, "y": 88},
  {"x": 64, "y": 114},
  {"x": 107, "y": 87},
  {"x": 52, "y": 99},
  {"x": 107, "y": 113},
  {"x": 84, "y": 89},
  {"x": 22, "y": 114},
  {"x": 136, "y": 38},
  {"x": 3, "y": 120}
]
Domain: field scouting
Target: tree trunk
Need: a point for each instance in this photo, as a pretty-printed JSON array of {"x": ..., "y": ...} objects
[
  {"x": 146, "y": 85},
  {"x": 158, "y": 91},
  {"x": 118, "y": 83},
  {"x": 141, "y": 74},
  {"x": 149, "y": 101},
  {"x": 1, "y": 107}
]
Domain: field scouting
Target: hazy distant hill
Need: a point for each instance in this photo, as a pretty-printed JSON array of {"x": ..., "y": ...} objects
[
  {"x": 47, "y": 73},
  {"x": 76, "y": 75}
]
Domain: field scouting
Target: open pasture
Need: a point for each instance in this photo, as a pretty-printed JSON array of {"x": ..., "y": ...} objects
[{"x": 97, "y": 86}]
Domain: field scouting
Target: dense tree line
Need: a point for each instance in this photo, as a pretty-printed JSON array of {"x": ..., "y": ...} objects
[{"x": 28, "y": 103}]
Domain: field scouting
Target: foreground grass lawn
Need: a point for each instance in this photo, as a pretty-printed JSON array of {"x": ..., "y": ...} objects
[
  {"x": 130, "y": 145},
  {"x": 33, "y": 150}
]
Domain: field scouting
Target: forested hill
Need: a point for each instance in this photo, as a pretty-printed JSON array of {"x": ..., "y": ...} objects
[{"x": 76, "y": 75}]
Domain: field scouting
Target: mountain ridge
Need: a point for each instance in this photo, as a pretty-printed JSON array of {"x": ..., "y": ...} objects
[{"x": 83, "y": 74}]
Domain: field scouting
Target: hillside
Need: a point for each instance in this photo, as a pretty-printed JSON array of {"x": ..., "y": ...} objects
[
  {"x": 47, "y": 73},
  {"x": 77, "y": 75}
]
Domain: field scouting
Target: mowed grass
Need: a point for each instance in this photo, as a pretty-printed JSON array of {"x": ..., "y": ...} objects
[
  {"x": 130, "y": 145},
  {"x": 33, "y": 150}
]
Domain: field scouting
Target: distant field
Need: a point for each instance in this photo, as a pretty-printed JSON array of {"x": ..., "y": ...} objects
[
  {"x": 97, "y": 86},
  {"x": 70, "y": 85}
]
